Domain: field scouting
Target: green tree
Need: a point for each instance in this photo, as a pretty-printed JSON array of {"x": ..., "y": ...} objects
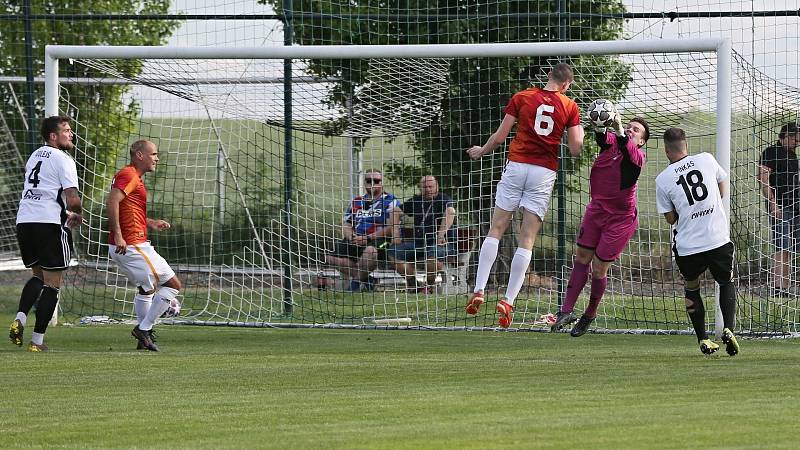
[
  {"x": 478, "y": 88},
  {"x": 104, "y": 118}
]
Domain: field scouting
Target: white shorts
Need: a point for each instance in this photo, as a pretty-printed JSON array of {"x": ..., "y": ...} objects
[
  {"x": 525, "y": 186},
  {"x": 143, "y": 266}
]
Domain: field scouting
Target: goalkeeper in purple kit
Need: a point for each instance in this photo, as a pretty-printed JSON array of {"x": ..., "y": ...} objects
[{"x": 610, "y": 219}]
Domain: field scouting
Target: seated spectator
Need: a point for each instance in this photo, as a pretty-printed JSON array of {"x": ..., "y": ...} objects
[
  {"x": 366, "y": 232},
  {"x": 434, "y": 215}
]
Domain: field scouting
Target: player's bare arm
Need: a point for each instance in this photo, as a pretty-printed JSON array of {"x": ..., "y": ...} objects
[
  {"x": 496, "y": 139},
  {"x": 575, "y": 137},
  {"x": 112, "y": 208},
  {"x": 74, "y": 207},
  {"x": 671, "y": 217},
  {"x": 766, "y": 191},
  {"x": 158, "y": 224}
]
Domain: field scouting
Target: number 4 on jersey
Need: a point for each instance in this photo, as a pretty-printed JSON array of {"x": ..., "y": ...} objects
[{"x": 33, "y": 178}]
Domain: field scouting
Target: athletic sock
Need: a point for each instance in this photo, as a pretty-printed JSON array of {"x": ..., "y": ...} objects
[
  {"x": 30, "y": 293},
  {"x": 697, "y": 313},
  {"x": 597, "y": 290},
  {"x": 727, "y": 304},
  {"x": 37, "y": 338},
  {"x": 45, "y": 308},
  {"x": 519, "y": 267},
  {"x": 141, "y": 304},
  {"x": 158, "y": 307},
  {"x": 577, "y": 280},
  {"x": 22, "y": 317},
  {"x": 485, "y": 262}
]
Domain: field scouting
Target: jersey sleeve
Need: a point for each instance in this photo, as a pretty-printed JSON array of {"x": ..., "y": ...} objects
[
  {"x": 125, "y": 181},
  {"x": 512, "y": 109},
  {"x": 633, "y": 153},
  {"x": 69, "y": 173},
  {"x": 348, "y": 213},
  {"x": 573, "y": 114},
  {"x": 604, "y": 139},
  {"x": 663, "y": 202}
]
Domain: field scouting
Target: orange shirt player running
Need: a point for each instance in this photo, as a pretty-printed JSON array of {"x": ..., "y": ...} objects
[
  {"x": 133, "y": 208},
  {"x": 542, "y": 117}
]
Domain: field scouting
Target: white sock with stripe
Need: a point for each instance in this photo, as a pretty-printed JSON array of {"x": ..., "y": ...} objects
[{"x": 157, "y": 308}]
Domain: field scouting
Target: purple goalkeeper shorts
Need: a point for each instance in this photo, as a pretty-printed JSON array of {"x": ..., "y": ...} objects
[{"x": 606, "y": 234}]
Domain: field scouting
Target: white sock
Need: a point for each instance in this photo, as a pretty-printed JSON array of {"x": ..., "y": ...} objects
[
  {"x": 485, "y": 262},
  {"x": 22, "y": 317},
  {"x": 519, "y": 267},
  {"x": 141, "y": 304},
  {"x": 37, "y": 338},
  {"x": 157, "y": 308}
]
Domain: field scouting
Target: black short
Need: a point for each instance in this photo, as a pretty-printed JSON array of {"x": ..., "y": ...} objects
[
  {"x": 47, "y": 245},
  {"x": 346, "y": 249},
  {"x": 719, "y": 261}
]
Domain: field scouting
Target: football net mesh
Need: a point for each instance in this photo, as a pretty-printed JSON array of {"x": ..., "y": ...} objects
[{"x": 243, "y": 256}]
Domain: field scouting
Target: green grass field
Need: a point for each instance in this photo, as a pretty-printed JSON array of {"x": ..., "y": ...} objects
[{"x": 216, "y": 387}]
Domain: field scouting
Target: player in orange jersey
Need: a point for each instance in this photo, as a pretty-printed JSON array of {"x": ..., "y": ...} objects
[
  {"x": 542, "y": 115},
  {"x": 129, "y": 248}
]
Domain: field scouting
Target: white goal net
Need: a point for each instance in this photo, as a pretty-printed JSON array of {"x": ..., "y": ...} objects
[{"x": 258, "y": 164}]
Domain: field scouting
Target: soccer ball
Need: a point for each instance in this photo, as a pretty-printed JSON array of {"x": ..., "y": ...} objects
[
  {"x": 174, "y": 309},
  {"x": 601, "y": 113}
]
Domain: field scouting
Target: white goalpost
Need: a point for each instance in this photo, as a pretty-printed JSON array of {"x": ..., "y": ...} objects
[{"x": 242, "y": 141}]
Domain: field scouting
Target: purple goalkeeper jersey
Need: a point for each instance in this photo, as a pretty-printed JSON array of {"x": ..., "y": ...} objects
[{"x": 614, "y": 174}]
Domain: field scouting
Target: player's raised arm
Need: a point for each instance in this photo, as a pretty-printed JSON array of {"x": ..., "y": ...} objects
[{"x": 496, "y": 139}]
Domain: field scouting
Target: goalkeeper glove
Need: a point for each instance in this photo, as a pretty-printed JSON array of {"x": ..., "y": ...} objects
[{"x": 617, "y": 125}]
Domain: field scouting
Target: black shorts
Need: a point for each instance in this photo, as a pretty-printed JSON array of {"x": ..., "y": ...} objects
[
  {"x": 347, "y": 249},
  {"x": 47, "y": 245},
  {"x": 719, "y": 261}
]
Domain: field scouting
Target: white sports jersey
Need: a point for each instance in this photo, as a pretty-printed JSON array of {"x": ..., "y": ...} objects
[
  {"x": 47, "y": 173},
  {"x": 689, "y": 187}
]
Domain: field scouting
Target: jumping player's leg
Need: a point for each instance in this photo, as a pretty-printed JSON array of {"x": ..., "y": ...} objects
[
  {"x": 531, "y": 224},
  {"x": 500, "y": 220},
  {"x": 615, "y": 235},
  {"x": 586, "y": 242},
  {"x": 486, "y": 257},
  {"x": 537, "y": 187}
]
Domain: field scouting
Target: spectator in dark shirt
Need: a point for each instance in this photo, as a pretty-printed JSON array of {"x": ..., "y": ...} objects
[
  {"x": 778, "y": 176},
  {"x": 434, "y": 215}
]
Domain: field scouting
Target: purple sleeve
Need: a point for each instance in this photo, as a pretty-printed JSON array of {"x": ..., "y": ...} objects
[{"x": 635, "y": 154}]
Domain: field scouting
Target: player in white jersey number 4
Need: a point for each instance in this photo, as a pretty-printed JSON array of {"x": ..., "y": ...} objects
[
  {"x": 689, "y": 194},
  {"x": 49, "y": 205}
]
